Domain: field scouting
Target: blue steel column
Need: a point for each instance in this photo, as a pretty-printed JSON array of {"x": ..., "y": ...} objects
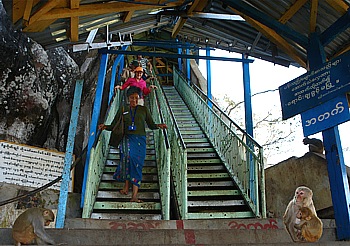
[
  {"x": 119, "y": 59},
  {"x": 179, "y": 59},
  {"x": 188, "y": 65},
  {"x": 338, "y": 179},
  {"x": 94, "y": 119},
  {"x": 249, "y": 122},
  {"x": 68, "y": 158},
  {"x": 207, "y": 53}
]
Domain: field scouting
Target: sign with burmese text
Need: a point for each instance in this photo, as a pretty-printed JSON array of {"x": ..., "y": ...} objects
[
  {"x": 316, "y": 87},
  {"x": 326, "y": 115},
  {"x": 29, "y": 166}
]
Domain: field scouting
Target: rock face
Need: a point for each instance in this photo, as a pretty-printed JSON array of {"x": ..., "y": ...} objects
[
  {"x": 37, "y": 89},
  {"x": 282, "y": 179}
]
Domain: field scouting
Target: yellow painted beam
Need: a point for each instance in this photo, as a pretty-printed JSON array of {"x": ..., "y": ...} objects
[
  {"x": 195, "y": 4},
  {"x": 39, "y": 26},
  {"x": 98, "y": 9},
  {"x": 274, "y": 37},
  {"x": 291, "y": 11},
  {"x": 74, "y": 29},
  {"x": 338, "y": 5},
  {"x": 342, "y": 51},
  {"x": 181, "y": 21},
  {"x": 28, "y": 10},
  {"x": 18, "y": 7},
  {"x": 179, "y": 24},
  {"x": 127, "y": 16},
  {"x": 43, "y": 10},
  {"x": 74, "y": 4},
  {"x": 313, "y": 15}
]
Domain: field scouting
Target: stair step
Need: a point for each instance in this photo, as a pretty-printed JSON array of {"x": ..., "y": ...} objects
[
  {"x": 201, "y": 155},
  {"x": 116, "y": 156},
  {"x": 217, "y": 203},
  {"x": 196, "y": 169},
  {"x": 203, "y": 161},
  {"x": 145, "y": 177},
  {"x": 201, "y": 150},
  {"x": 208, "y": 175},
  {"x": 193, "y": 193},
  {"x": 198, "y": 145},
  {"x": 210, "y": 184},
  {"x": 145, "y": 169},
  {"x": 116, "y": 195},
  {"x": 120, "y": 216},
  {"x": 127, "y": 205},
  {"x": 223, "y": 215},
  {"x": 119, "y": 185}
]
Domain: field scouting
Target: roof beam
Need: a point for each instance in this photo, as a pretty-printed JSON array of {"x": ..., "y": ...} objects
[
  {"x": 98, "y": 9},
  {"x": 313, "y": 15},
  {"x": 338, "y": 5},
  {"x": 173, "y": 55},
  {"x": 291, "y": 11},
  {"x": 127, "y": 16},
  {"x": 181, "y": 21},
  {"x": 43, "y": 10},
  {"x": 268, "y": 21},
  {"x": 342, "y": 51},
  {"x": 337, "y": 27},
  {"x": 74, "y": 23},
  {"x": 275, "y": 38},
  {"x": 18, "y": 9}
]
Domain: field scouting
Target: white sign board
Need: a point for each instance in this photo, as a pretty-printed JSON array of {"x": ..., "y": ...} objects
[{"x": 29, "y": 166}]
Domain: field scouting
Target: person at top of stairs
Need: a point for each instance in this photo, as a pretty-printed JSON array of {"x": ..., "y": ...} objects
[
  {"x": 137, "y": 81},
  {"x": 133, "y": 146}
]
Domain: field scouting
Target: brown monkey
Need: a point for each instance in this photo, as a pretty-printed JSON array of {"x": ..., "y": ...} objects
[
  {"x": 310, "y": 225},
  {"x": 302, "y": 198},
  {"x": 29, "y": 227},
  {"x": 315, "y": 145}
]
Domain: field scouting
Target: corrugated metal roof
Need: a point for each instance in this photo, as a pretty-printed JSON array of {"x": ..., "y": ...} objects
[{"x": 255, "y": 36}]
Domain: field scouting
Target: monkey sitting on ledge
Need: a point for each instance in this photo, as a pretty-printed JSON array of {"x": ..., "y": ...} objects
[
  {"x": 315, "y": 146},
  {"x": 29, "y": 227}
]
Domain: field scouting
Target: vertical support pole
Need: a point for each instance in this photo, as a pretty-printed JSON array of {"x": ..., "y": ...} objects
[
  {"x": 119, "y": 59},
  {"x": 249, "y": 124},
  {"x": 338, "y": 179},
  {"x": 188, "y": 66},
  {"x": 68, "y": 158},
  {"x": 179, "y": 60},
  {"x": 94, "y": 119},
  {"x": 207, "y": 52}
]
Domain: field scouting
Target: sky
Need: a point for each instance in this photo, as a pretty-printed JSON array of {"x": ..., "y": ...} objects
[{"x": 227, "y": 80}]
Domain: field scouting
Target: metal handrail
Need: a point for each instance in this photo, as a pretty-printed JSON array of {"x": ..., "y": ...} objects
[
  {"x": 220, "y": 110},
  {"x": 175, "y": 123},
  {"x": 244, "y": 161}
]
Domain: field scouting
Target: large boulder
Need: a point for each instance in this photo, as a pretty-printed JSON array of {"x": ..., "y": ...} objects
[{"x": 282, "y": 179}]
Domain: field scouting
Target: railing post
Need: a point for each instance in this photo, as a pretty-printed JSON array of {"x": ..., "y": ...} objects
[
  {"x": 208, "y": 76},
  {"x": 249, "y": 125},
  {"x": 68, "y": 159}
]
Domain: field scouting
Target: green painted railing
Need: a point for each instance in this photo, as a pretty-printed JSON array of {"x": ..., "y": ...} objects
[
  {"x": 100, "y": 151},
  {"x": 241, "y": 154},
  {"x": 178, "y": 155},
  {"x": 98, "y": 158},
  {"x": 162, "y": 147}
]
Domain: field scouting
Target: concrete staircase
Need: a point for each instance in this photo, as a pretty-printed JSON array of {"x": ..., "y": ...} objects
[
  {"x": 212, "y": 193},
  {"x": 177, "y": 232},
  {"x": 110, "y": 204}
]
